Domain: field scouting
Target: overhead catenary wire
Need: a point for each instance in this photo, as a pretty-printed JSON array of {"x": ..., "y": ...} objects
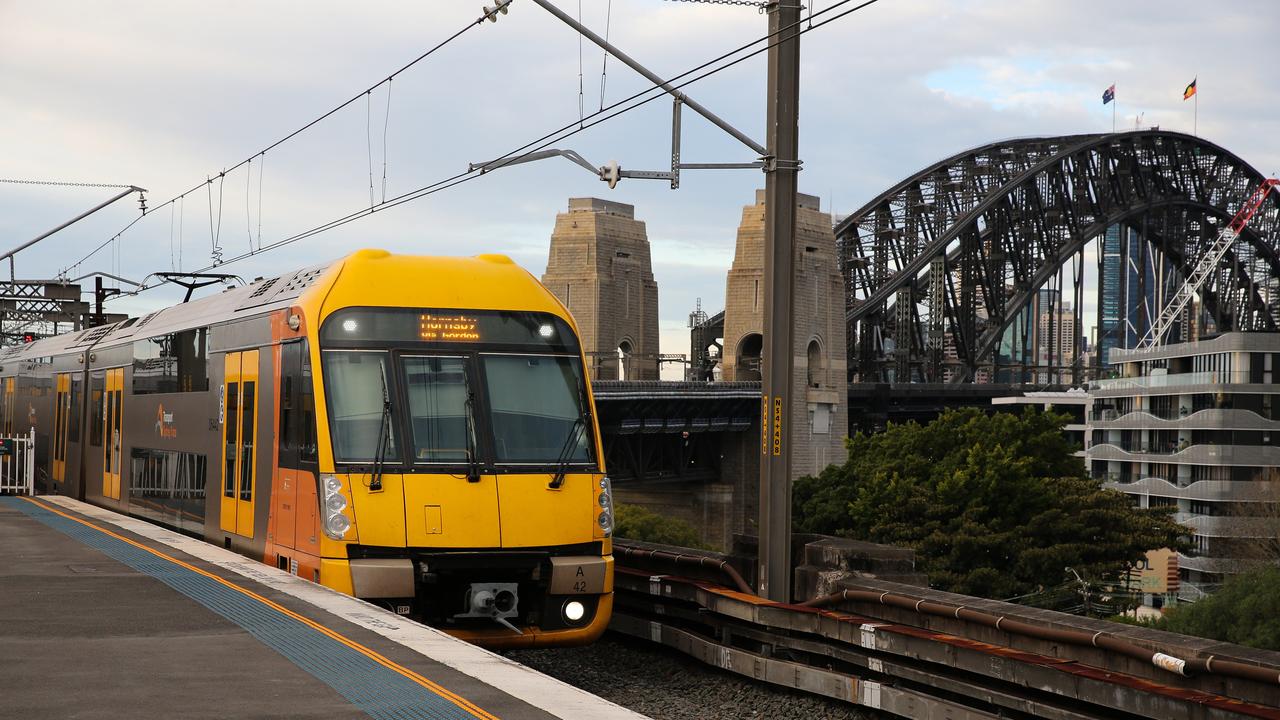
[
  {"x": 604, "y": 63},
  {"x": 631, "y": 102},
  {"x": 386, "y": 123},
  {"x": 428, "y": 53}
]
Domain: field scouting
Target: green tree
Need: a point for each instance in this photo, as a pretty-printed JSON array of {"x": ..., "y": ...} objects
[
  {"x": 636, "y": 523},
  {"x": 1246, "y": 611},
  {"x": 994, "y": 505}
]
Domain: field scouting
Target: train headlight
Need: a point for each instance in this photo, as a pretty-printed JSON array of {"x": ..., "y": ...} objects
[
  {"x": 335, "y": 503},
  {"x": 336, "y": 526},
  {"x": 574, "y": 611},
  {"x": 605, "y": 499},
  {"x": 336, "y": 523},
  {"x": 546, "y": 331}
]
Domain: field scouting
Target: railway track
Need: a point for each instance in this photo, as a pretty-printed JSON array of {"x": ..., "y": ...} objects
[{"x": 904, "y": 670}]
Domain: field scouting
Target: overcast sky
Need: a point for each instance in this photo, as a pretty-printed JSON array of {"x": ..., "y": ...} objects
[{"x": 164, "y": 95}]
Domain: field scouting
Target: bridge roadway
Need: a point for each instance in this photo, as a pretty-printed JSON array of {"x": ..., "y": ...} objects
[{"x": 108, "y": 616}]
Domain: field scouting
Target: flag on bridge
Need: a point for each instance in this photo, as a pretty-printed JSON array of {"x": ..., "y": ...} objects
[
  {"x": 1109, "y": 94},
  {"x": 1191, "y": 90}
]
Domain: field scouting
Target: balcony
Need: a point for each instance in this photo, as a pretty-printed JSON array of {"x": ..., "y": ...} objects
[
  {"x": 1229, "y": 526},
  {"x": 1205, "y": 490},
  {"x": 1209, "y": 419},
  {"x": 1259, "y": 456},
  {"x": 1176, "y": 380}
]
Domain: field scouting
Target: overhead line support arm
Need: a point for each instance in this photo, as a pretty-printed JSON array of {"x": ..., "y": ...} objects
[{"x": 653, "y": 77}]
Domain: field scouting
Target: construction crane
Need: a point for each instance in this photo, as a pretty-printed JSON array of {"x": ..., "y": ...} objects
[{"x": 1208, "y": 263}]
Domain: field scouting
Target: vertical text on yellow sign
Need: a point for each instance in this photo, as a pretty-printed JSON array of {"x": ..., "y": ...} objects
[
  {"x": 764, "y": 424},
  {"x": 777, "y": 425}
]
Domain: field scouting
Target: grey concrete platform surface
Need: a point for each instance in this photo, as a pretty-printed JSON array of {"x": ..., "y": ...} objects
[{"x": 104, "y": 616}]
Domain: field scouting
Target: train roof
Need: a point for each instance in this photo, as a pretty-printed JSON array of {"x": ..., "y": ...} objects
[
  {"x": 262, "y": 295},
  {"x": 482, "y": 282}
]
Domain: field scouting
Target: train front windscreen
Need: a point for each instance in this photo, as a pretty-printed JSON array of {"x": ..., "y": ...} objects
[{"x": 450, "y": 390}]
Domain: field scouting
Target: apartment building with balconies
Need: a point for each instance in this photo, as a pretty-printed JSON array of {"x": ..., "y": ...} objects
[{"x": 1196, "y": 426}]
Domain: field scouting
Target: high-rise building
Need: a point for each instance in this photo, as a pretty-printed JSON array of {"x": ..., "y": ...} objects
[{"x": 1196, "y": 426}]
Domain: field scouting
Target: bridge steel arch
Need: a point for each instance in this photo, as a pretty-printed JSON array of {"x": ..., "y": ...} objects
[{"x": 944, "y": 271}]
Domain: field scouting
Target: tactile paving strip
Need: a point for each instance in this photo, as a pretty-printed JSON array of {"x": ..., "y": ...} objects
[{"x": 369, "y": 685}]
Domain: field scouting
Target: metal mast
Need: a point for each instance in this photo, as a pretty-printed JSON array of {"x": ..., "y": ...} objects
[{"x": 781, "y": 167}]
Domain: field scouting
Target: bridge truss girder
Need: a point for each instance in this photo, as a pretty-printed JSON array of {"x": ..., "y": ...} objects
[{"x": 971, "y": 241}]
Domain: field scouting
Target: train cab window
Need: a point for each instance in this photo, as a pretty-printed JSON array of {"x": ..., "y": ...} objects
[
  {"x": 356, "y": 383},
  {"x": 439, "y": 409},
  {"x": 297, "y": 406},
  {"x": 176, "y": 362},
  {"x": 537, "y": 406},
  {"x": 96, "y": 409}
]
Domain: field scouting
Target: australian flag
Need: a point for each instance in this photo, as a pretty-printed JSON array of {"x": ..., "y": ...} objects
[{"x": 1109, "y": 94}]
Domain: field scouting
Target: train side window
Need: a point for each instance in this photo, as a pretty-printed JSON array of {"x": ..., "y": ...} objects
[
  {"x": 96, "y": 410},
  {"x": 73, "y": 422},
  {"x": 248, "y": 436},
  {"x": 307, "y": 406},
  {"x": 176, "y": 362},
  {"x": 290, "y": 380},
  {"x": 232, "y": 424}
]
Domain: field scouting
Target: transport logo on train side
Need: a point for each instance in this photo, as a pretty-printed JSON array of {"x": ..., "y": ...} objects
[{"x": 164, "y": 423}]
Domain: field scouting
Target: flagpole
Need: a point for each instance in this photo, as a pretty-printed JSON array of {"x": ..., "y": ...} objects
[
  {"x": 1195, "y": 121},
  {"x": 1114, "y": 102}
]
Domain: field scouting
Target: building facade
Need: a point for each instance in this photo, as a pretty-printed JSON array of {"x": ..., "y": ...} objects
[
  {"x": 599, "y": 267},
  {"x": 818, "y": 395},
  {"x": 1196, "y": 426}
]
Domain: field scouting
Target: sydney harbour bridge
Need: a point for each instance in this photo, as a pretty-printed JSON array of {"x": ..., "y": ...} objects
[{"x": 975, "y": 269}]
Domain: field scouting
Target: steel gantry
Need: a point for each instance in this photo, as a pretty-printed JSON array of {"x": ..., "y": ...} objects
[{"x": 957, "y": 272}]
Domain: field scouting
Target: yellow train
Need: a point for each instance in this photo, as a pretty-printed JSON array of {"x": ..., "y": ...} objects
[{"x": 415, "y": 431}]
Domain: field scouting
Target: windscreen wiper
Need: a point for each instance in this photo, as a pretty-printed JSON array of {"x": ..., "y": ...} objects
[
  {"x": 566, "y": 453},
  {"x": 384, "y": 438},
  {"x": 473, "y": 462}
]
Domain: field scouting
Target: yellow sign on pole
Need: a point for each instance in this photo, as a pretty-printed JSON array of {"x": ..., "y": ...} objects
[
  {"x": 764, "y": 424},
  {"x": 777, "y": 425}
]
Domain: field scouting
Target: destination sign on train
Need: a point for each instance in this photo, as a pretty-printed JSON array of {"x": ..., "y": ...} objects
[{"x": 448, "y": 328}]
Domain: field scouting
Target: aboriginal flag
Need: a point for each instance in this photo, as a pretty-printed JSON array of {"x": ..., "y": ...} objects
[
  {"x": 1191, "y": 90},
  {"x": 1109, "y": 94}
]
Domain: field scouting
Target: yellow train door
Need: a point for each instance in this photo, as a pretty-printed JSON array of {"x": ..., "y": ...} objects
[
  {"x": 239, "y": 426},
  {"x": 112, "y": 413},
  {"x": 8, "y": 405},
  {"x": 61, "y": 414}
]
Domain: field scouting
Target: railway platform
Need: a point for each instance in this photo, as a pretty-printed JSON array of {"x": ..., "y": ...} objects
[{"x": 103, "y": 615}]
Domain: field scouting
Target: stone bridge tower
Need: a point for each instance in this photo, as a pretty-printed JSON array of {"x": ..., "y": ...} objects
[
  {"x": 819, "y": 402},
  {"x": 599, "y": 267}
]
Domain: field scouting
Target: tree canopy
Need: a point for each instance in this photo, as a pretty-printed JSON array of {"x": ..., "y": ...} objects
[
  {"x": 994, "y": 506},
  {"x": 1246, "y": 611},
  {"x": 633, "y": 522}
]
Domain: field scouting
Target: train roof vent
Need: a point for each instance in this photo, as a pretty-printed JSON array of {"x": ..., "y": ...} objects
[
  {"x": 92, "y": 335},
  {"x": 264, "y": 287},
  {"x": 301, "y": 280},
  {"x": 11, "y": 351},
  {"x": 148, "y": 318}
]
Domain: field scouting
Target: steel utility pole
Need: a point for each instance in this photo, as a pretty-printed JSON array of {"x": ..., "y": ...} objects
[{"x": 782, "y": 164}]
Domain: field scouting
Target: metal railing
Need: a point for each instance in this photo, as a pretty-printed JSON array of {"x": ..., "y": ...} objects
[
  {"x": 1174, "y": 380},
  {"x": 18, "y": 464}
]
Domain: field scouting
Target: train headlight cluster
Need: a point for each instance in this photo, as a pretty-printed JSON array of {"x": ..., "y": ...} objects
[
  {"x": 336, "y": 522},
  {"x": 606, "y": 506}
]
